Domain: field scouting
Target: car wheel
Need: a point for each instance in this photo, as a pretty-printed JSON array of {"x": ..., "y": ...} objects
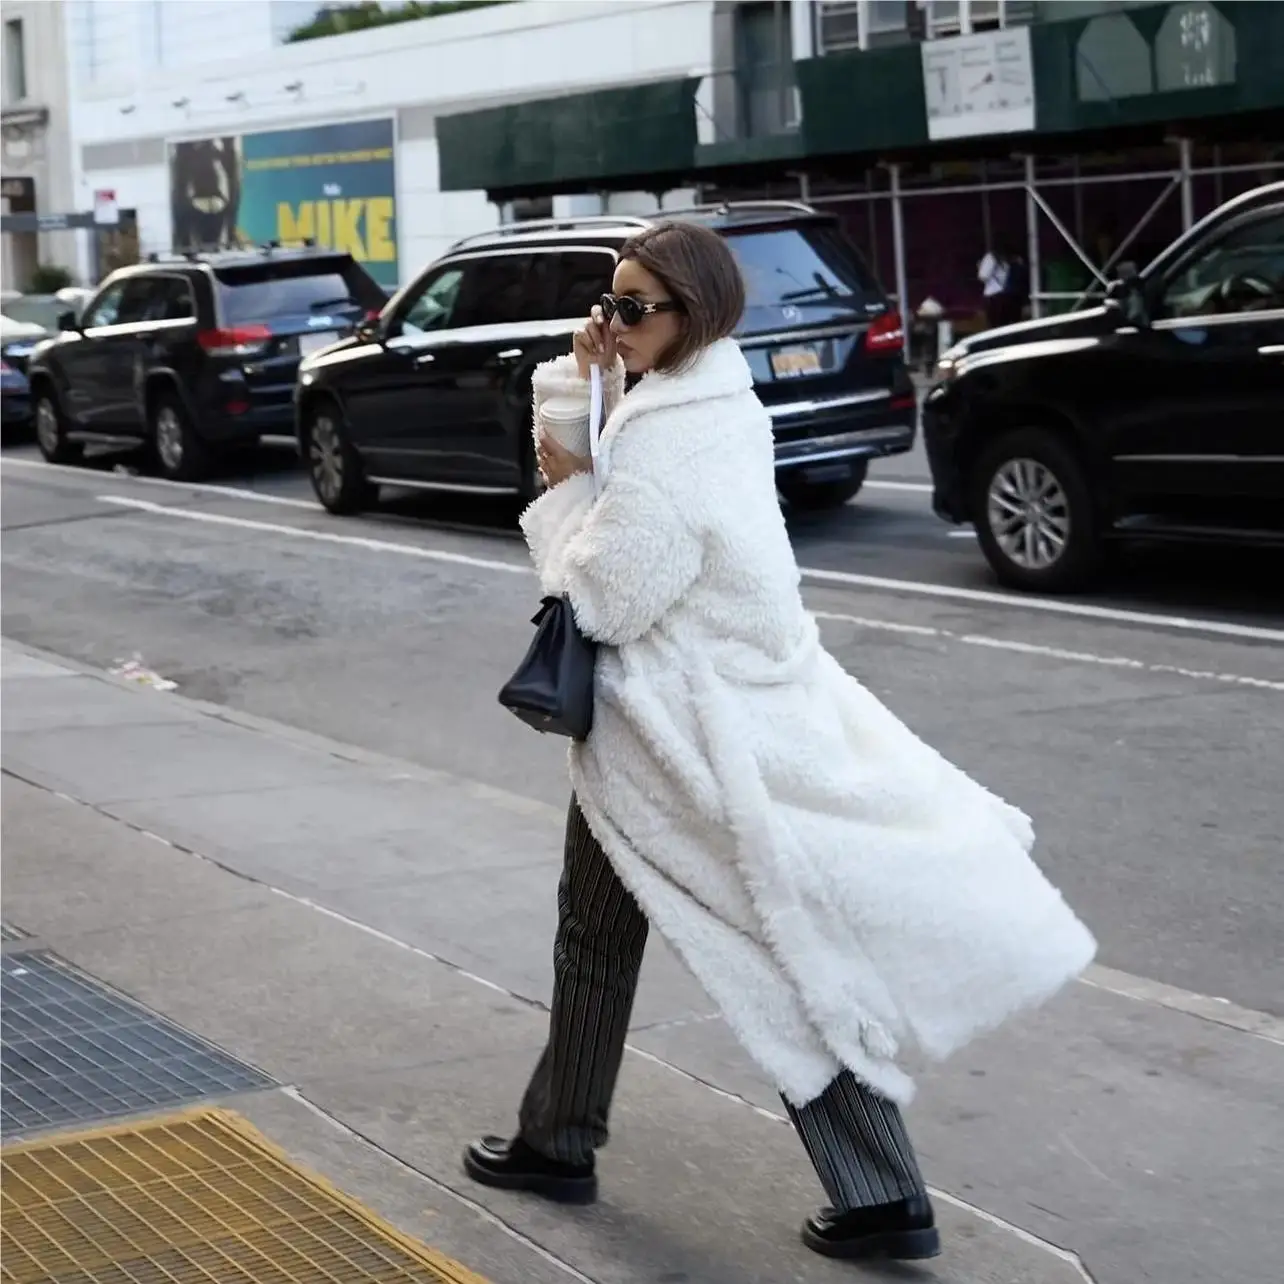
[
  {"x": 814, "y": 496},
  {"x": 51, "y": 433},
  {"x": 1034, "y": 513},
  {"x": 337, "y": 473},
  {"x": 178, "y": 452}
]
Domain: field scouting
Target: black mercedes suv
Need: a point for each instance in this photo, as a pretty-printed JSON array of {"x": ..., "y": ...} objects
[
  {"x": 1158, "y": 414},
  {"x": 193, "y": 353},
  {"x": 436, "y": 392}
]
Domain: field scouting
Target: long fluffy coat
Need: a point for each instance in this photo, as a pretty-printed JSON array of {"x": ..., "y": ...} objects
[{"x": 845, "y": 895}]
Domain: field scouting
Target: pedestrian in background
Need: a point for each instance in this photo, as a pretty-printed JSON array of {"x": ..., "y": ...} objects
[{"x": 849, "y": 899}]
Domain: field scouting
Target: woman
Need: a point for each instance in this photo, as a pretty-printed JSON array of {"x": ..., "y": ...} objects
[{"x": 846, "y": 896}]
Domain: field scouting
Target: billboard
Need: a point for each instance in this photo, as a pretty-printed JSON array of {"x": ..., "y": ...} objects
[{"x": 333, "y": 184}]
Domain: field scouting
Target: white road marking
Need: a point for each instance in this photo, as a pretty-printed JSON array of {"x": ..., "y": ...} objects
[
  {"x": 1050, "y": 605},
  {"x": 1048, "y": 652},
  {"x": 918, "y": 488},
  {"x": 321, "y": 537},
  {"x": 199, "y": 488}
]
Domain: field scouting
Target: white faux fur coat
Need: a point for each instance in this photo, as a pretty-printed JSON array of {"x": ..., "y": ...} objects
[{"x": 845, "y": 895}]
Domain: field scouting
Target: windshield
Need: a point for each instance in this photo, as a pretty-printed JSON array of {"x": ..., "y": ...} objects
[
  {"x": 267, "y": 292},
  {"x": 802, "y": 276}
]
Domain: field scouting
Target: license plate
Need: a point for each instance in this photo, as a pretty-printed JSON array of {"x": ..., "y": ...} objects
[
  {"x": 791, "y": 363},
  {"x": 312, "y": 342}
]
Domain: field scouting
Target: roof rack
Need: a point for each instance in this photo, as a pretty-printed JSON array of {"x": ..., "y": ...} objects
[
  {"x": 194, "y": 253},
  {"x": 736, "y": 207},
  {"x": 568, "y": 224}
]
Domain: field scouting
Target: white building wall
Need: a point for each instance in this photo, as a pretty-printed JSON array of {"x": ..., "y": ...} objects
[
  {"x": 42, "y": 152},
  {"x": 155, "y": 71}
]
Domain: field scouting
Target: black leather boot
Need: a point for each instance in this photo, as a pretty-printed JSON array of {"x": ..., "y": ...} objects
[
  {"x": 904, "y": 1232},
  {"x": 513, "y": 1165}
]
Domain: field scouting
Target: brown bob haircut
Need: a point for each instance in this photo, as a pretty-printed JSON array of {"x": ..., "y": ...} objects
[{"x": 700, "y": 273}]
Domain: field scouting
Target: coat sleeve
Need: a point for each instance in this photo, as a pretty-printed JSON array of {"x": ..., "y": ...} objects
[
  {"x": 624, "y": 560},
  {"x": 561, "y": 378}
]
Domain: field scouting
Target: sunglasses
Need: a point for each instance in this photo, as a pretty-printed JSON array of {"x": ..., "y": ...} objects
[{"x": 632, "y": 311}]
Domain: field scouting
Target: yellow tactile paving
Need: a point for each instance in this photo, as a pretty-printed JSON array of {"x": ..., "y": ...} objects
[{"x": 195, "y": 1198}]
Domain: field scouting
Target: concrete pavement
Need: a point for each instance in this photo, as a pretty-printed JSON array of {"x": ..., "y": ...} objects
[{"x": 375, "y": 934}]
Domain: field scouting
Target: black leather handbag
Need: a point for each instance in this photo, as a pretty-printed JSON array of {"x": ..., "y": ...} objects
[{"x": 552, "y": 688}]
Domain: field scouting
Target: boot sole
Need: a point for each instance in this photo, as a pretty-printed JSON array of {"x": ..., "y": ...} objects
[
  {"x": 560, "y": 1190},
  {"x": 897, "y": 1246}
]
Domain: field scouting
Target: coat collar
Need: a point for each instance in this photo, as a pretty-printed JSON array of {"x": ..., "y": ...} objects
[{"x": 719, "y": 371}]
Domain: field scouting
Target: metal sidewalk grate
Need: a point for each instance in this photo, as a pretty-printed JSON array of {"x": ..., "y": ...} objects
[
  {"x": 195, "y": 1197},
  {"x": 10, "y": 933},
  {"x": 73, "y": 1051}
]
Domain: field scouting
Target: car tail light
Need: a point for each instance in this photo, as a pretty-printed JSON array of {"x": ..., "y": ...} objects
[
  {"x": 235, "y": 341},
  {"x": 6, "y": 368},
  {"x": 372, "y": 314},
  {"x": 885, "y": 334},
  {"x": 908, "y": 401},
  {"x": 237, "y": 407}
]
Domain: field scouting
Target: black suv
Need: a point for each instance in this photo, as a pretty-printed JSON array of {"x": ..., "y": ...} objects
[
  {"x": 436, "y": 392},
  {"x": 192, "y": 353},
  {"x": 1158, "y": 414}
]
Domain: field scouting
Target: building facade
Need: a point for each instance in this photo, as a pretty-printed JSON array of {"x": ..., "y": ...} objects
[
  {"x": 333, "y": 138},
  {"x": 35, "y": 139}
]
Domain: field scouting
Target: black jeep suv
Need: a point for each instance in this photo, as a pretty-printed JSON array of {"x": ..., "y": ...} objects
[
  {"x": 436, "y": 392},
  {"x": 192, "y": 353},
  {"x": 1158, "y": 414}
]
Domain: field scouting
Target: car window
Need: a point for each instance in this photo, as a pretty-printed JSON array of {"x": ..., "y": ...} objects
[
  {"x": 104, "y": 309},
  {"x": 583, "y": 279},
  {"x": 801, "y": 273},
  {"x": 1242, "y": 272},
  {"x": 295, "y": 290},
  {"x": 172, "y": 301},
  {"x": 493, "y": 291},
  {"x": 434, "y": 306}
]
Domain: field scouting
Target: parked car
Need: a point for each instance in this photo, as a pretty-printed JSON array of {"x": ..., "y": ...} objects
[
  {"x": 25, "y": 320},
  {"x": 1158, "y": 414},
  {"x": 436, "y": 392},
  {"x": 193, "y": 353}
]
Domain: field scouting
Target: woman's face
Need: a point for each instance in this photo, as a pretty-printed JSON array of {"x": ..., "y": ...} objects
[{"x": 641, "y": 345}]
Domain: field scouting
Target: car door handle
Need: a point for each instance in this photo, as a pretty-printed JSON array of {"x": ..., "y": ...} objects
[
  {"x": 425, "y": 359},
  {"x": 1272, "y": 350},
  {"x": 508, "y": 354}
]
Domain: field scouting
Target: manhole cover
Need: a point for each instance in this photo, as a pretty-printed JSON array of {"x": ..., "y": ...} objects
[
  {"x": 201, "y": 1196},
  {"x": 73, "y": 1051}
]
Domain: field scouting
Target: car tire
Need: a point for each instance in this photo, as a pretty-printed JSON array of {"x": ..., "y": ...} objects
[
  {"x": 812, "y": 497},
  {"x": 335, "y": 469},
  {"x": 176, "y": 449},
  {"x": 51, "y": 431},
  {"x": 1034, "y": 513}
]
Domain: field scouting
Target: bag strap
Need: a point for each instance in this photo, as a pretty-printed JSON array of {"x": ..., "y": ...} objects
[{"x": 596, "y": 402}]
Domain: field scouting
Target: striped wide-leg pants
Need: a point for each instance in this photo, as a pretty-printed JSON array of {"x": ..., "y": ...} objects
[{"x": 855, "y": 1139}]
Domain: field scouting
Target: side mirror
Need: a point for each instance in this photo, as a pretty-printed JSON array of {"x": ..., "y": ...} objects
[
  {"x": 368, "y": 330},
  {"x": 1125, "y": 292},
  {"x": 67, "y": 321}
]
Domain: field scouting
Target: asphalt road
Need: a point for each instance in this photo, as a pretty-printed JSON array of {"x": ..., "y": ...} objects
[{"x": 1140, "y": 727}]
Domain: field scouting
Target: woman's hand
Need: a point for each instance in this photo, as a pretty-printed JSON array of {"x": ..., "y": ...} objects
[
  {"x": 595, "y": 343},
  {"x": 556, "y": 463}
]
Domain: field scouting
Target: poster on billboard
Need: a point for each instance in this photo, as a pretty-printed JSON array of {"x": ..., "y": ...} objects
[{"x": 331, "y": 184}]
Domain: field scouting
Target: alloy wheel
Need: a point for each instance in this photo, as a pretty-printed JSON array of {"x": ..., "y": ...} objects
[
  {"x": 1029, "y": 513},
  {"x": 169, "y": 438},
  {"x": 47, "y": 433},
  {"x": 326, "y": 455}
]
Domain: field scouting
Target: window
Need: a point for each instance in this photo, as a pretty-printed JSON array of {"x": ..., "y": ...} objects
[
  {"x": 1242, "y": 272},
  {"x": 169, "y": 298},
  {"x": 433, "y": 308},
  {"x": 15, "y": 61},
  {"x": 814, "y": 273},
  {"x": 106, "y": 307},
  {"x": 494, "y": 291},
  {"x": 269, "y": 291},
  {"x": 583, "y": 279}
]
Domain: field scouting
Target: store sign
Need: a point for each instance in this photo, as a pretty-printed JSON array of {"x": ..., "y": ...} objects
[
  {"x": 332, "y": 184},
  {"x": 979, "y": 84}
]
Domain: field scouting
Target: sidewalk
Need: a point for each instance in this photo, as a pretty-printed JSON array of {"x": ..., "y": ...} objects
[{"x": 374, "y": 938}]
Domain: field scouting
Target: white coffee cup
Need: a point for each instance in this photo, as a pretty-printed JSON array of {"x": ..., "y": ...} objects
[{"x": 566, "y": 420}]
